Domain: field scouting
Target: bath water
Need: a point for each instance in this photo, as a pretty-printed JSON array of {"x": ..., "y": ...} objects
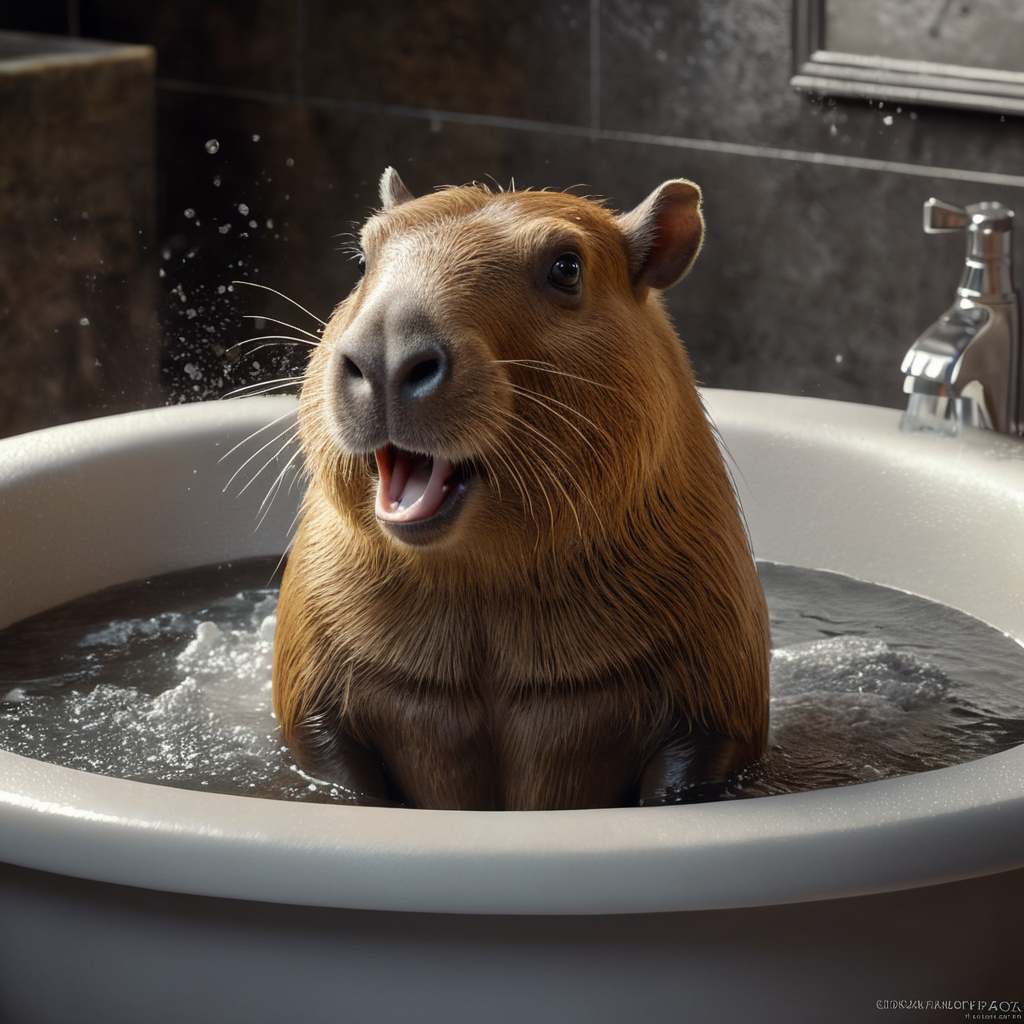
[{"x": 168, "y": 681}]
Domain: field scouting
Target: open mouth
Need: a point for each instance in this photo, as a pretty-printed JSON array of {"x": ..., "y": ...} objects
[{"x": 417, "y": 494}]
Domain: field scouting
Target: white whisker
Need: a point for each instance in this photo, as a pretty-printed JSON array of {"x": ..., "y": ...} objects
[
  {"x": 263, "y": 387},
  {"x": 543, "y": 367},
  {"x": 275, "y": 487},
  {"x": 514, "y": 443},
  {"x": 267, "y": 288},
  {"x": 283, "y": 323},
  {"x": 280, "y": 338},
  {"x": 292, "y": 429},
  {"x": 555, "y": 452},
  {"x": 259, "y": 430},
  {"x": 517, "y": 481},
  {"x": 543, "y": 400},
  {"x": 256, "y": 475}
]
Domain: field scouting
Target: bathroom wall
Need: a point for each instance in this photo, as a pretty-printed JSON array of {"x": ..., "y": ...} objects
[
  {"x": 815, "y": 276},
  {"x": 78, "y": 284}
]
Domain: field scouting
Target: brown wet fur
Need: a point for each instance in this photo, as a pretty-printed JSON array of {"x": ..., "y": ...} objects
[{"x": 591, "y": 630}]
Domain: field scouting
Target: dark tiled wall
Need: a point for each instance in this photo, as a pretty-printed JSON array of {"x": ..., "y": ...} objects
[
  {"x": 78, "y": 284},
  {"x": 815, "y": 276}
]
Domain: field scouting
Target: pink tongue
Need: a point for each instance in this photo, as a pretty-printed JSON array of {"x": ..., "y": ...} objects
[{"x": 411, "y": 487}]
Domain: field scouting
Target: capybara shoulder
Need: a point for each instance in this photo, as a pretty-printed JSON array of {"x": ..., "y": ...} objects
[{"x": 521, "y": 579}]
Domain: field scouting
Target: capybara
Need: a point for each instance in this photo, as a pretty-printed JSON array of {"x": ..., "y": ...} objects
[{"x": 521, "y": 580}]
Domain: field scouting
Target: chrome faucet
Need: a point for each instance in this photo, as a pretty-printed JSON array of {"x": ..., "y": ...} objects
[{"x": 965, "y": 370}]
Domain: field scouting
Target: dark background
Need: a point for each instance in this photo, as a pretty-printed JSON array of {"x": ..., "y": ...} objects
[{"x": 815, "y": 277}]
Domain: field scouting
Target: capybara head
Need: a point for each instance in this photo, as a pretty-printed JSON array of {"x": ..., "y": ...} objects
[
  {"x": 500, "y": 372},
  {"x": 521, "y": 578}
]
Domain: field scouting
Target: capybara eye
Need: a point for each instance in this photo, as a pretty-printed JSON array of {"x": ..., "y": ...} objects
[
  {"x": 565, "y": 271},
  {"x": 361, "y": 263}
]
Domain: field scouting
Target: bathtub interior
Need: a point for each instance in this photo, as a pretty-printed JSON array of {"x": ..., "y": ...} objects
[{"x": 823, "y": 485}]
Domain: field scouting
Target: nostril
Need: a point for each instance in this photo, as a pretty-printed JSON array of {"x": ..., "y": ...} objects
[
  {"x": 423, "y": 373},
  {"x": 350, "y": 369}
]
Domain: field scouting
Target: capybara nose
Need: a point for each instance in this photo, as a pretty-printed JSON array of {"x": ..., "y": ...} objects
[
  {"x": 394, "y": 373},
  {"x": 392, "y": 380}
]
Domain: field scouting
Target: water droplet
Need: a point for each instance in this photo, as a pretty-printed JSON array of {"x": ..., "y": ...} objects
[
  {"x": 289, "y": 162},
  {"x": 243, "y": 209},
  {"x": 887, "y": 119},
  {"x": 190, "y": 213},
  {"x": 84, "y": 321},
  {"x": 216, "y": 181},
  {"x": 212, "y": 146},
  {"x": 255, "y": 138}
]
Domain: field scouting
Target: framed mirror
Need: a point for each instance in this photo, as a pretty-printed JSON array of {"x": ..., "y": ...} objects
[{"x": 949, "y": 53}]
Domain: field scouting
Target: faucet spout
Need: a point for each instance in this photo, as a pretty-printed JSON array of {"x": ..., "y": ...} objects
[{"x": 965, "y": 369}]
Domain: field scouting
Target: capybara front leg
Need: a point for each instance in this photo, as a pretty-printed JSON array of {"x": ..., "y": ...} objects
[
  {"x": 692, "y": 768},
  {"x": 325, "y": 752}
]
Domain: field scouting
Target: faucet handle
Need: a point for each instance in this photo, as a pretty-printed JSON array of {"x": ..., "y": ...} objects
[{"x": 940, "y": 217}]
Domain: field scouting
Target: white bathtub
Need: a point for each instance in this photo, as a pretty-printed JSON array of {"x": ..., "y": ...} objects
[{"x": 121, "y": 901}]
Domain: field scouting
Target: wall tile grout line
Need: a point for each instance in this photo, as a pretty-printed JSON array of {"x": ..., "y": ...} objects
[{"x": 605, "y": 134}]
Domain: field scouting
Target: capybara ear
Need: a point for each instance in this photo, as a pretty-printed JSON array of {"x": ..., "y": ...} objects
[
  {"x": 664, "y": 234},
  {"x": 392, "y": 189}
]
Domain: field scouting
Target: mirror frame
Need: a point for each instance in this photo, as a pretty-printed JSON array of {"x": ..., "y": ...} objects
[{"x": 830, "y": 73}]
